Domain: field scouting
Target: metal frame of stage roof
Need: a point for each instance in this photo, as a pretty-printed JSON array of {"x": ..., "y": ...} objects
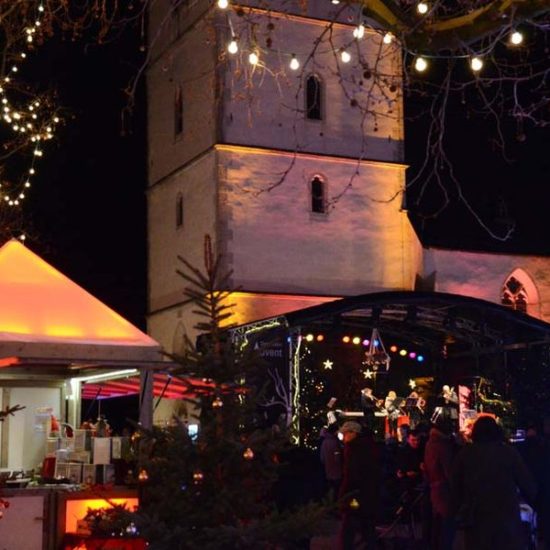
[
  {"x": 427, "y": 319},
  {"x": 449, "y": 326}
]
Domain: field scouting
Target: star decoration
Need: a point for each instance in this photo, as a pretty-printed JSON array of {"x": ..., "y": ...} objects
[
  {"x": 368, "y": 373},
  {"x": 328, "y": 364},
  {"x": 412, "y": 384}
]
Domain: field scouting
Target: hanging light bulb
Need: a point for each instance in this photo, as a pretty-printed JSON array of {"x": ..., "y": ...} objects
[
  {"x": 516, "y": 38},
  {"x": 253, "y": 58},
  {"x": 345, "y": 56},
  {"x": 476, "y": 63},
  {"x": 294, "y": 63},
  {"x": 223, "y": 4},
  {"x": 420, "y": 64},
  {"x": 422, "y": 8},
  {"x": 388, "y": 38},
  {"x": 359, "y": 31},
  {"x": 233, "y": 46}
]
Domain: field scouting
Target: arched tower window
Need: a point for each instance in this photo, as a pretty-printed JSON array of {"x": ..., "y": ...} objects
[
  {"x": 520, "y": 293},
  {"x": 178, "y": 111},
  {"x": 179, "y": 210},
  {"x": 318, "y": 195},
  {"x": 314, "y": 98}
]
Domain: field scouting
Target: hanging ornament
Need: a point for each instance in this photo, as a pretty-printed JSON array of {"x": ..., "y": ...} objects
[
  {"x": 328, "y": 364},
  {"x": 248, "y": 454},
  {"x": 143, "y": 475},
  {"x": 354, "y": 504},
  {"x": 376, "y": 356}
]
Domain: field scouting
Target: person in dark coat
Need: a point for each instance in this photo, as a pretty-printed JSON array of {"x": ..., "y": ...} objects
[
  {"x": 486, "y": 478},
  {"x": 359, "y": 491},
  {"x": 331, "y": 459},
  {"x": 438, "y": 460}
]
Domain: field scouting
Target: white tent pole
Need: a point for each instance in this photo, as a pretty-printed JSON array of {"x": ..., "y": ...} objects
[{"x": 146, "y": 398}]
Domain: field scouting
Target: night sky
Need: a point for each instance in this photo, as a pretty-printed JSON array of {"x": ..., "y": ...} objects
[{"x": 87, "y": 211}]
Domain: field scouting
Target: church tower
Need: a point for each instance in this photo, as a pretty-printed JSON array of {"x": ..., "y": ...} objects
[{"x": 280, "y": 136}]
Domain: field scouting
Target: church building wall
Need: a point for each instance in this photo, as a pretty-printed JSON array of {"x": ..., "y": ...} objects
[
  {"x": 483, "y": 275},
  {"x": 275, "y": 243}
]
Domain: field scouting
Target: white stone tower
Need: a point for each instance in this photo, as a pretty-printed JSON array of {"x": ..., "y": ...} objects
[{"x": 295, "y": 174}]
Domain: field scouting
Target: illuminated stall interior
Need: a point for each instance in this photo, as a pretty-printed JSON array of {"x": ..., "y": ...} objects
[{"x": 429, "y": 338}]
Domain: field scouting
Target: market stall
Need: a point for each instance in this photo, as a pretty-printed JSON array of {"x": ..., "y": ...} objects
[{"x": 55, "y": 337}]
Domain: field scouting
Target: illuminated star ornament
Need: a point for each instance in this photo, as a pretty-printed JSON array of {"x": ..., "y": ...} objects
[
  {"x": 412, "y": 384},
  {"x": 328, "y": 364},
  {"x": 368, "y": 373}
]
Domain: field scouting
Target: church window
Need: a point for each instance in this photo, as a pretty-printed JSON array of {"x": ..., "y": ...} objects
[
  {"x": 314, "y": 98},
  {"x": 318, "y": 196},
  {"x": 179, "y": 211},
  {"x": 514, "y": 295},
  {"x": 178, "y": 112}
]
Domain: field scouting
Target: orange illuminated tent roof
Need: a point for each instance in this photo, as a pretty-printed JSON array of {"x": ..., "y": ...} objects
[{"x": 41, "y": 306}]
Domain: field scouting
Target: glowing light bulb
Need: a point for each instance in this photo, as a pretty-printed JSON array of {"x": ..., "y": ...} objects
[
  {"x": 309, "y": 338},
  {"x": 294, "y": 63},
  {"x": 393, "y": 349},
  {"x": 22, "y": 237},
  {"x": 422, "y": 8},
  {"x": 412, "y": 355},
  {"x": 356, "y": 340},
  {"x": 359, "y": 31},
  {"x": 388, "y": 38},
  {"x": 403, "y": 352},
  {"x": 233, "y": 47},
  {"x": 253, "y": 58},
  {"x": 27, "y": 184},
  {"x": 223, "y": 4},
  {"x": 420, "y": 358},
  {"x": 516, "y": 38},
  {"x": 335, "y": 2},
  {"x": 23, "y": 55},
  {"x": 346, "y": 339},
  {"x": 476, "y": 63},
  {"x": 320, "y": 337},
  {"x": 14, "y": 68},
  {"x": 420, "y": 64},
  {"x": 248, "y": 454},
  {"x": 345, "y": 56},
  {"x": 41, "y": 8}
]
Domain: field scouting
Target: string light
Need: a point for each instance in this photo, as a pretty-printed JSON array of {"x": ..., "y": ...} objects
[
  {"x": 420, "y": 64},
  {"x": 403, "y": 352},
  {"x": 233, "y": 47},
  {"x": 309, "y": 338},
  {"x": 356, "y": 340},
  {"x": 345, "y": 56},
  {"x": 388, "y": 38},
  {"x": 294, "y": 63},
  {"x": 223, "y": 4},
  {"x": 359, "y": 31},
  {"x": 253, "y": 58},
  {"x": 516, "y": 38},
  {"x": 422, "y": 8},
  {"x": 476, "y": 63}
]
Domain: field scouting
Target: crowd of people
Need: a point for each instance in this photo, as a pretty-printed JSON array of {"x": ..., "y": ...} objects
[{"x": 459, "y": 492}]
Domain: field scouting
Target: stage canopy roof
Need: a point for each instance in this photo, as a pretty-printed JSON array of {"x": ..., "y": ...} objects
[
  {"x": 48, "y": 320},
  {"x": 427, "y": 319}
]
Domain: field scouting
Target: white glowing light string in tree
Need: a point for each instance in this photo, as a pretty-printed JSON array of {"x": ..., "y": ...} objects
[{"x": 376, "y": 357}]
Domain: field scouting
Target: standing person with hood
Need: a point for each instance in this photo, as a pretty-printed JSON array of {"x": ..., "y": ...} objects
[
  {"x": 331, "y": 459},
  {"x": 486, "y": 479},
  {"x": 359, "y": 491},
  {"x": 438, "y": 461}
]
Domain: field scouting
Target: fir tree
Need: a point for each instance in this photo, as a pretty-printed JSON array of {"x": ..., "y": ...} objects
[{"x": 217, "y": 491}]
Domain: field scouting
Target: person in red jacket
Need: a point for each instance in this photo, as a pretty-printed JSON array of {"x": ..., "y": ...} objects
[{"x": 359, "y": 491}]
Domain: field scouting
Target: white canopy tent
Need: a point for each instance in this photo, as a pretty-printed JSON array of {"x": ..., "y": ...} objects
[{"x": 53, "y": 336}]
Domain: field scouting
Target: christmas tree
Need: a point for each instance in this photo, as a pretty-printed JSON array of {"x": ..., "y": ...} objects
[{"x": 218, "y": 489}]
